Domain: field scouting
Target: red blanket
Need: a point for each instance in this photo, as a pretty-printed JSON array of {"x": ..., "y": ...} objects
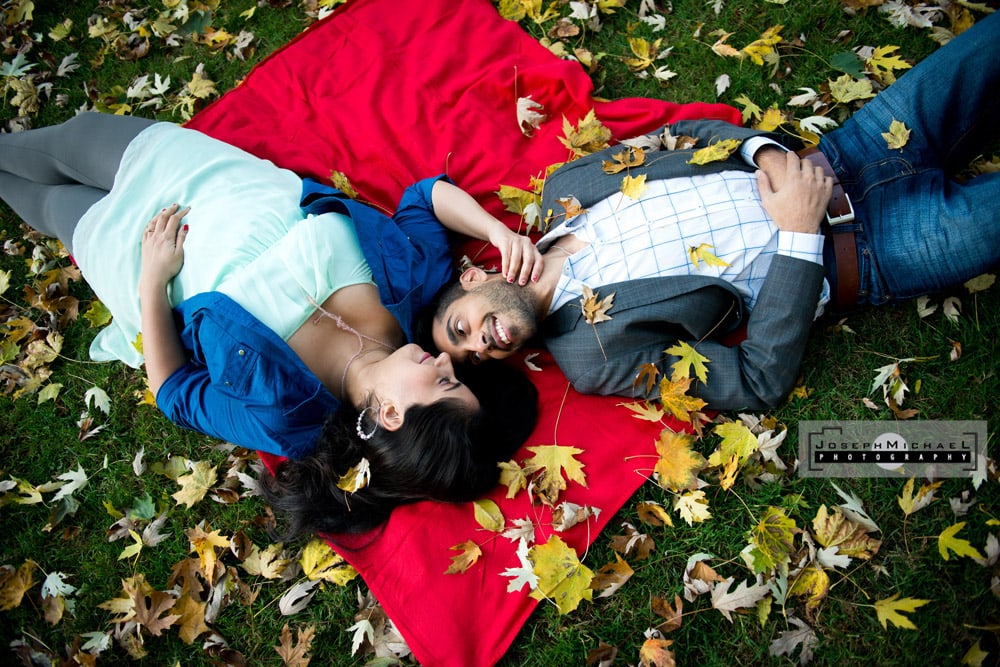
[{"x": 389, "y": 92}]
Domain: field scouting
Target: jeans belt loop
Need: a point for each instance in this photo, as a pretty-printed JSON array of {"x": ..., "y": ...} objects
[{"x": 842, "y": 238}]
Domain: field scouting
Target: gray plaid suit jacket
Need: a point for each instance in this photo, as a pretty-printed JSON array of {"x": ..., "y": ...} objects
[{"x": 652, "y": 314}]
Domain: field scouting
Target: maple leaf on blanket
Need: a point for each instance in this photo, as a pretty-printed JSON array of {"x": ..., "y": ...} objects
[
  {"x": 529, "y": 115},
  {"x": 562, "y": 578},
  {"x": 589, "y": 136},
  {"x": 548, "y": 464}
]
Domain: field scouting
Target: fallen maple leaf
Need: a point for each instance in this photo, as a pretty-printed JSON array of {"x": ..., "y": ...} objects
[
  {"x": 813, "y": 584},
  {"x": 528, "y": 116},
  {"x": 14, "y": 583},
  {"x": 634, "y": 186},
  {"x": 910, "y": 503},
  {"x": 889, "y": 610},
  {"x": 644, "y": 410},
  {"x": 672, "y": 615},
  {"x": 512, "y": 476},
  {"x": 562, "y": 578},
  {"x": 269, "y": 562},
  {"x": 789, "y": 640},
  {"x": 549, "y": 463},
  {"x": 656, "y": 653},
  {"x": 882, "y": 64},
  {"x": 611, "y": 576},
  {"x": 625, "y": 159},
  {"x": 595, "y": 310},
  {"x": 674, "y": 398},
  {"x": 653, "y": 514},
  {"x": 356, "y": 477},
  {"x": 319, "y": 561},
  {"x": 716, "y": 152},
  {"x": 469, "y": 553},
  {"x": 948, "y": 542},
  {"x": 589, "y": 136},
  {"x": 897, "y": 136},
  {"x": 195, "y": 485},
  {"x": 679, "y": 464},
  {"x": 773, "y": 540},
  {"x": 700, "y": 253},
  {"x": 837, "y": 529},
  {"x": 204, "y": 544},
  {"x": 689, "y": 359},
  {"x": 295, "y": 654},
  {"x": 742, "y": 597},
  {"x": 693, "y": 507}
]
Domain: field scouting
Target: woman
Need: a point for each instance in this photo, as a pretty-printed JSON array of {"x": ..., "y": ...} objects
[{"x": 283, "y": 315}]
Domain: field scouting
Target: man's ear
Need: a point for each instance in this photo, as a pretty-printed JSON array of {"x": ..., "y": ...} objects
[
  {"x": 472, "y": 276},
  {"x": 389, "y": 417}
]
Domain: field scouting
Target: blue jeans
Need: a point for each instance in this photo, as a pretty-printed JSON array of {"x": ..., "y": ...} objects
[{"x": 918, "y": 230}]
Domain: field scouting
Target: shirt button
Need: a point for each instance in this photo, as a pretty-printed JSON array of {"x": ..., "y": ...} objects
[{"x": 241, "y": 352}]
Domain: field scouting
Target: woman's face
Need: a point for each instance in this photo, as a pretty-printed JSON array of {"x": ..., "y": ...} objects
[{"x": 410, "y": 376}]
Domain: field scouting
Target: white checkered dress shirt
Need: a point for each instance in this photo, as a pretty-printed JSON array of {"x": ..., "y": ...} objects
[{"x": 631, "y": 239}]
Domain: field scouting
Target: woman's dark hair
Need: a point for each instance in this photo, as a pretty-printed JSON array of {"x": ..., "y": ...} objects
[{"x": 443, "y": 451}]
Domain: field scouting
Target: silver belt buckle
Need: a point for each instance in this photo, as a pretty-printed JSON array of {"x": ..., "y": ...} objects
[{"x": 847, "y": 217}]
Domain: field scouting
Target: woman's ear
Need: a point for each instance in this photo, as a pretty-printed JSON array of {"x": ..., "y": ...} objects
[{"x": 389, "y": 417}]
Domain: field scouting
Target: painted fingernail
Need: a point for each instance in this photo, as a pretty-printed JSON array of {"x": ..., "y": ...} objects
[{"x": 185, "y": 228}]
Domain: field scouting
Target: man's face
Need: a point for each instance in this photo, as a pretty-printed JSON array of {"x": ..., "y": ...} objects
[{"x": 491, "y": 320}]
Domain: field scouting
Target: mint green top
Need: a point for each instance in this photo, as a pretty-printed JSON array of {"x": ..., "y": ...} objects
[{"x": 248, "y": 238}]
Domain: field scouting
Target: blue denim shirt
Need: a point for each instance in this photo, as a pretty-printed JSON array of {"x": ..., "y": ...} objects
[{"x": 243, "y": 383}]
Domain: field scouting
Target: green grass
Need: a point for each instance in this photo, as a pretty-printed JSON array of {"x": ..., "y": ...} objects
[{"x": 39, "y": 441}]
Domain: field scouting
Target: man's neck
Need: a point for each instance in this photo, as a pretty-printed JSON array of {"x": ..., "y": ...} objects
[{"x": 555, "y": 258}]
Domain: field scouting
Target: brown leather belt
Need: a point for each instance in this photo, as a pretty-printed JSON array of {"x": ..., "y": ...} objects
[{"x": 840, "y": 238}]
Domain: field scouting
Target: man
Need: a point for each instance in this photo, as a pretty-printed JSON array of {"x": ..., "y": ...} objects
[{"x": 902, "y": 227}]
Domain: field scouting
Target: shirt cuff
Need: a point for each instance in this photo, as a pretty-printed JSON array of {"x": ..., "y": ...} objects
[
  {"x": 750, "y": 146},
  {"x": 801, "y": 245}
]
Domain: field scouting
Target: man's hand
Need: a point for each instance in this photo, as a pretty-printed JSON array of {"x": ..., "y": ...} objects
[{"x": 799, "y": 203}]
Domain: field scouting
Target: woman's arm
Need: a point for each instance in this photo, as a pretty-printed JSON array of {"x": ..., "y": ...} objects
[
  {"x": 459, "y": 212},
  {"x": 162, "y": 258}
]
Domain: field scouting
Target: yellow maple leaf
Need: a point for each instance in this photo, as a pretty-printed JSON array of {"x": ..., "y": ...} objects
[
  {"x": 948, "y": 542},
  {"x": 656, "y": 653},
  {"x": 762, "y": 49},
  {"x": 738, "y": 442},
  {"x": 343, "y": 183},
  {"x": 320, "y": 561},
  {"x": 693, "y": 507},
  {"x": 813, "y": 584},
  {"x": 14, "y": 583},
  {"x": 772, "y": 119},
  {"x": 133, "y": 549},
  {"x": 774, "y": 540},
  {"x": 269, "y": 562},
  {"x": 653, "y": 514},
  {"x": 562, "y": 578},
  {"x": 204, "y": 544},
  {"x": 468, "y": 554},
  {"x": 700, "y": 253},
  {"x": 890, "y": 610},
  {"x": 882, "y": 64},
  {"x": 674, "y": 398},
  {"x": 589, "y": 136},
  {"x": 634, "y": 186},
  {"x": 910, "y": 503},
  {"x": 848, "y": 89},
  {"x": 356, "y": 477},
  {"x": 750, "y": 110},
  {"x": 716, "y": 152},
  {"x": 644, "y": 52},
  {"x": 192, "y": 618},
  {"x": 513, "y": 477},
  {"x": 679, "y": 464},
  {"x": 645, "y": 410},
  {"x": 625, "y": 159},
  {"x": 97, "y": 314},
  {"x": 689, "y": 359},
  {"x": 595, "y": 310},
  {"x": 550, "y": 463},
  {"x": 897, "y": 136},
  {"x": 488, "y": 515},
  {"x": 195, "y": 485}
]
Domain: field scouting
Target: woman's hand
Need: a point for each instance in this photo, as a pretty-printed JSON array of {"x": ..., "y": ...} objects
[
  {"x": 163, "y": 247},
  {"x": 798, "y": 205},
  {"x": 520, "y": 260}
]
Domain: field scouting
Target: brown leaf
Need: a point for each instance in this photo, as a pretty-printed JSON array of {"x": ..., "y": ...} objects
[
  {"x": 595, "y": 310},
  {"x": 633, "y": 543},
  {"x": 611, "y": 576},
  {"x": 469, "y": 553},
  {"x": 656, "y": 653},
  {"x": 672, "y": 615},
  {"x": 295, "y": 654},
  {"x": 151, "y": 609}
]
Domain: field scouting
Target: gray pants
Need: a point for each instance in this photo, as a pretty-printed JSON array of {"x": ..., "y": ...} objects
[{"x": 51, "y": 176}]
